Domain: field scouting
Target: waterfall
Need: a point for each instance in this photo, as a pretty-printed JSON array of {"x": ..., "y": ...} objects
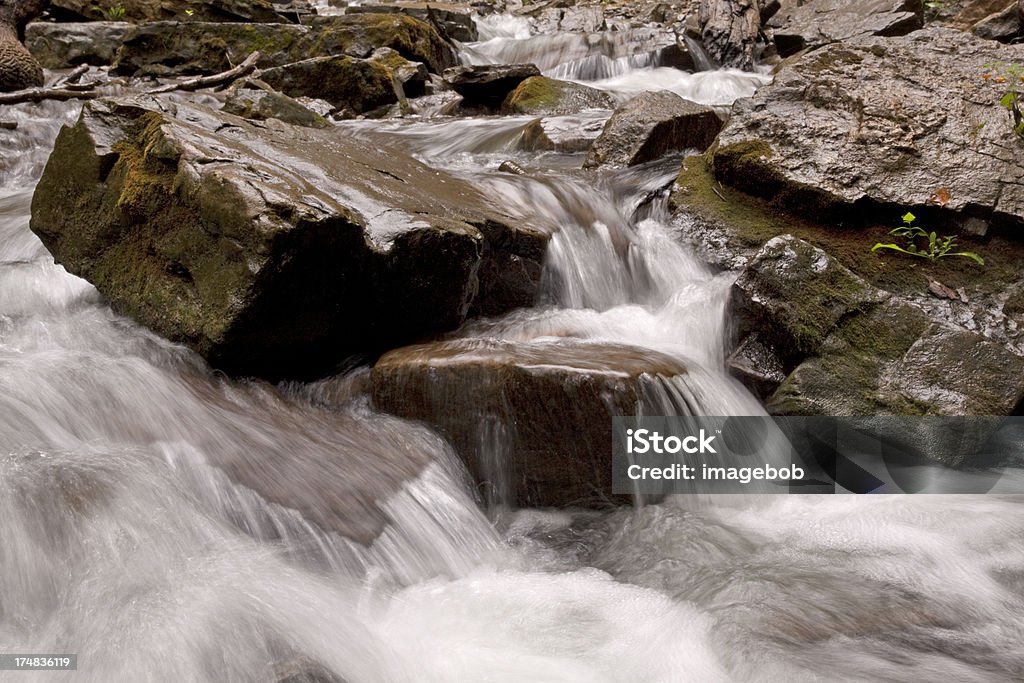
[{"x": 166, "y": 523}]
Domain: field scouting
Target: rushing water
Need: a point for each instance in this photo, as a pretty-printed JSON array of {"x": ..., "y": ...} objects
[{"x": 122, "y": 540}]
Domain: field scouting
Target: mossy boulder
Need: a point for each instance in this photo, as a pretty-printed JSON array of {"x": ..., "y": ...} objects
[
  {"x": 454, "y": 19},
  {"x": 359, "y": 85},
  {"x": 864, "y": 130},
  {"x": 651, "y": 125},
  {"x": 532, "y": 420},
  {"x": 848, "y": 348},
  {"x": 272, "y": 250},
  {"x": 546, "y": 96},
  {"x": 175, "y": 48},
  {"x": 485, "y": 86}
]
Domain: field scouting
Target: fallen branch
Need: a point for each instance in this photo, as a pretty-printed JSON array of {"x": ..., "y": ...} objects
[
  {"x": 71, "y": 77},
  {"x": 8, "y": 125},
  {"x": 42, "y": 94},
  {"x": 243, "y": 69}
]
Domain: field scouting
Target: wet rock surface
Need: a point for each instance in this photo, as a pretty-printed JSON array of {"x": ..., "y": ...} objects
[
  {"x": 651, "y": 125},
  {"x": 821, "y": 22},
  {"x": 140, "y": 11},
  {"x": 487, "y": 85},
  {"x": 532, "y": 418},
  {"x": 175, "y": 48},
  {"x": 852, "y": 349},
  {"x": 547, "y": 96},
  {"x": 272, "y": 250},
  {"x": 60, "y": 46},
  {"x": 824, "y": 137},
  {"x": 259, "y": 105},
  {"x": 358, "y": 85}
]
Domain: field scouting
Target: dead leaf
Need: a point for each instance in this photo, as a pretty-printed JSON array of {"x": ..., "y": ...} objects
[
  {"x": 942, "y": 291},
  {"x": 941, "y": 197}
]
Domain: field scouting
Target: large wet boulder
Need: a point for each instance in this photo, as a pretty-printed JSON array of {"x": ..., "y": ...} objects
[
  {"x": 141, "y": 11},
  {"x": 273, "y": 250},
  {"x": 172, "y": 48},
  {"x": 534, "y": 419},
  {"x": 359, "y": 85},
  {"x": 487, "y": 85},
  {"x": 848, "y": 348},
  {"x": 18, "y": 68},
  {"x": 650, "y": 126},
  {"x": 852, "y": 130},
  {"x": 822, "y": 22},
  {"x": 546, "y": 96},
  {"x": 60, "y": 46}
]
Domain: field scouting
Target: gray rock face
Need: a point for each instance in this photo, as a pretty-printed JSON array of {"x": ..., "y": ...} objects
[
  {"x": 821, "y": 22},
  {"x": 61, "y": 46},
  {"x": 484, "y": 395},
  {"x": 273, "y": 250},
  {"x": 729, "y": 29},
  {"x": 488, "y": 85},
  {"x": 851, "y": 349},
  {"x": 1003, "y": 25},
  {"x": 855, "y": 128},
  {"x": 651, "y": 125}
]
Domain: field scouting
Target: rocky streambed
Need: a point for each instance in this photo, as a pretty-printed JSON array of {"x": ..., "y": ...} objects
[{"x": 403, "y": 264}]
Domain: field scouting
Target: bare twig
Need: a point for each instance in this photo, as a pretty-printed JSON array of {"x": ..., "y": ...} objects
[
  {"x": 42, "y": 94},
  {"x": 720, "y": 195},
  {"x": 71, "y": 77},
  {"x": 243, "y": 69}
]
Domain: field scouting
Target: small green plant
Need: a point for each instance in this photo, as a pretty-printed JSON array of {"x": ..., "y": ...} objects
[
  {"x": 189, "y": 12},
  {"x": 938, "y": 247},
  {"x": 115, "y": 13},
  {"x": 1011, "y": 79}
]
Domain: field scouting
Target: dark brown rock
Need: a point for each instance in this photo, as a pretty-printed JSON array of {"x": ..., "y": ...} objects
[
  {"x": 359, "y": 85},
  {"x": 545, "y": 407}
]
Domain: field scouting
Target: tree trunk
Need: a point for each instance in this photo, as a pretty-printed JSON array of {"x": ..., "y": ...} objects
[{"x": 729, "y": 29}]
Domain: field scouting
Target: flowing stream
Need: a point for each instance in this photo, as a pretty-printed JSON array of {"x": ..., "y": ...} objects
[{"x": 121, "y": 542}]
